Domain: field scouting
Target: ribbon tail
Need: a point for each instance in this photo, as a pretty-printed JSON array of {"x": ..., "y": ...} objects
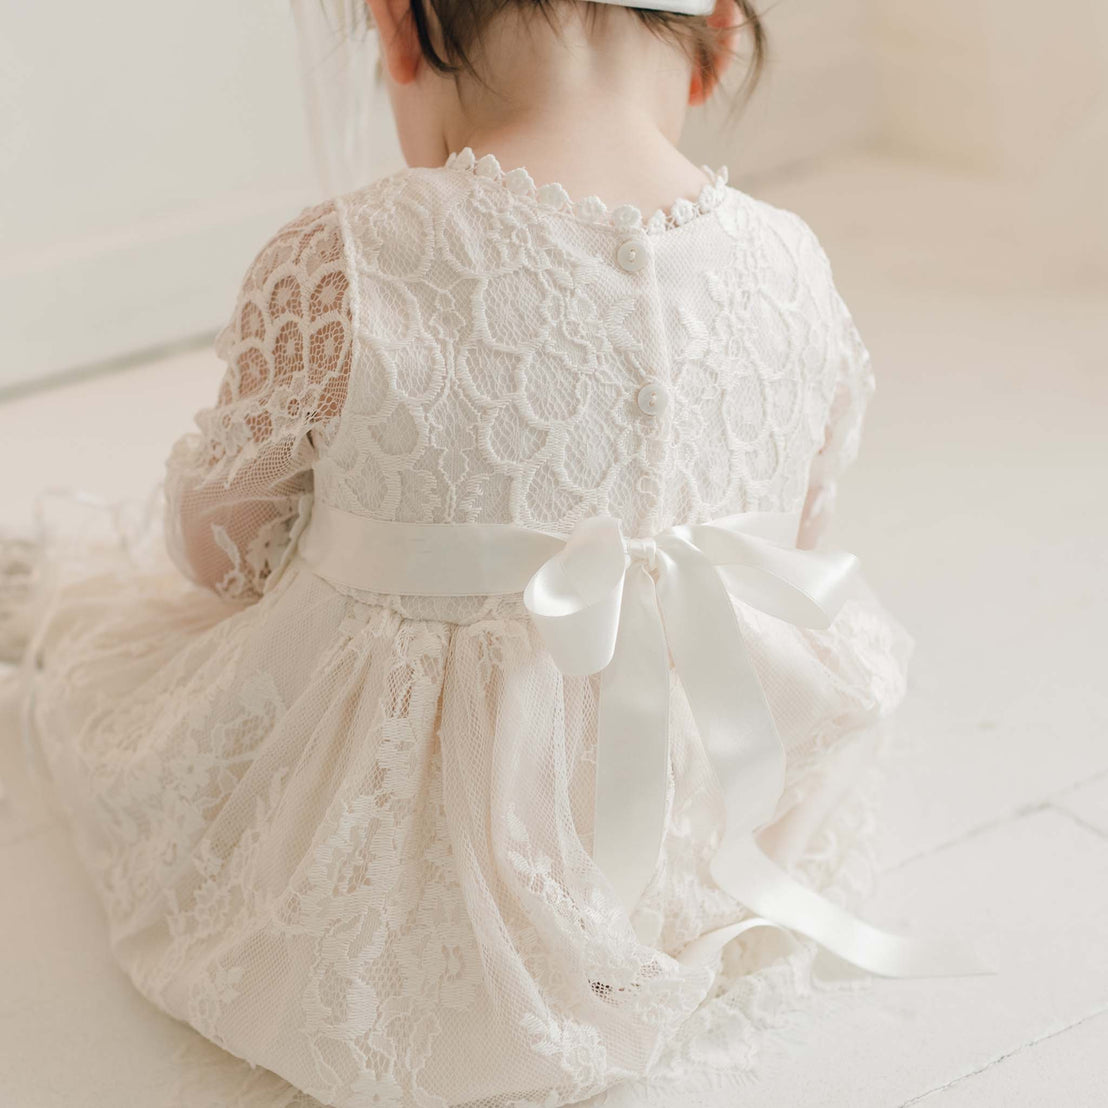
[
  {"x": 761, "y": 885},
  {"x": 632, "y": 754},
  {"x": 723, "y": 690},
  {"x": 705, "y": 947},
  {"x": 741, "y": 739}
]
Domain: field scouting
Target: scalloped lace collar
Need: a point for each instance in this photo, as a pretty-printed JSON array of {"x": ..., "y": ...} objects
[{"x": 591, "y": 209}]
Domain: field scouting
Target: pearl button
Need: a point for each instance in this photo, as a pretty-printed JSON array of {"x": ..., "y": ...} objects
[
  {"x": 631, "y": 255},
  {"x": 652, "y": 399}
]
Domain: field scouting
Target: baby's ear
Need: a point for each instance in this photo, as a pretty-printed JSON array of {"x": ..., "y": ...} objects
[
  {"x": 726, "y": 20},
  {"x": 396, "y": 29}
]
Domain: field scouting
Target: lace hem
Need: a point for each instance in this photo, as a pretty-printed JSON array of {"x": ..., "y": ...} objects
[
  {"x": 764, "y": 988},
  {"x": 763, "y": 997},
  {"x": 591, "y": 209}
]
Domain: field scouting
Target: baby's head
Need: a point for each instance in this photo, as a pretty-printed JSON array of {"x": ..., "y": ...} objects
[{"x": 457, "y": 68}]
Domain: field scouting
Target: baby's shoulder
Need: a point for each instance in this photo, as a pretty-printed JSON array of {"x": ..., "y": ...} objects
[
  {"x": 311, "y": 255},
  {"x": 779, "y": 237},
  {"x": 781, "y": 255},
  {"x": 402, "y": 205},
  {"x": 298, "y": 269},
  {"x": 299, "y": 250}
]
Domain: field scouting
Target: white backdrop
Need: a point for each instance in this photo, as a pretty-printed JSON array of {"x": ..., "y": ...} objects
[
  {"x": 1014, "y": 92},
  {"x": 147, "y": 150}
]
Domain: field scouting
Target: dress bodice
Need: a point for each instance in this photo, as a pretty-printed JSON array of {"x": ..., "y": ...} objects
[
  {"x": 456, "y": 345},
  {"x": 521, "y": 359}
]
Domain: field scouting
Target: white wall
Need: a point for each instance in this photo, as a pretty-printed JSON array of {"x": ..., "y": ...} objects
[
  {"x": 817, "y": 98},
  {"x": 146, "y": 151},
  {"x": 1015, "y": 90},
  {"x": 995, "y": 85},
  {"x": 1012, "y": 92}
]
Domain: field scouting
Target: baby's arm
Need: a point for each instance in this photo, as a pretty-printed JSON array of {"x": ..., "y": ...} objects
[
  {"x": 233, "y": 489},
  {"x": 854, "y": 385},
  {"x": 858, "y": 670}
]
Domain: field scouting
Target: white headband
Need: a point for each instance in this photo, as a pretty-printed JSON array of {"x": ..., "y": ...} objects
[{"x": 681, "y": 7}]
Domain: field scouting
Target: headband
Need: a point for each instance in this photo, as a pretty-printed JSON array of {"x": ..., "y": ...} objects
[{"x": 681, "y": 7}]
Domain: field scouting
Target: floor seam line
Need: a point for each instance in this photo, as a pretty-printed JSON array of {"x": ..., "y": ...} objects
[
  {"x": 1095, "y": 779},
  {"x": 972, "y": 833},
  {"x": 86, "y": 372},
  {"x": 1081, "y": 822},
  {"x": 1103, "y": 1010}
]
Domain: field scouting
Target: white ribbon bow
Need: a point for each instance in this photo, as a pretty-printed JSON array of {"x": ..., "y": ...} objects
[
  {"x": 613, "y": 604},
  {"x": 624, "y": 607}
]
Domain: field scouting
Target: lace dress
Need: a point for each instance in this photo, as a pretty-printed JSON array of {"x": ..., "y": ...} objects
[{"x": 346, "y": 835}]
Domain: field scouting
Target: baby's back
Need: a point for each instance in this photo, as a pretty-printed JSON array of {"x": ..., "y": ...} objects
[{"x": 520, "y": 358}]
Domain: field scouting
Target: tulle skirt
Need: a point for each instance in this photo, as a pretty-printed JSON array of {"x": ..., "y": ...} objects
[{"x": 352, "y": 846}]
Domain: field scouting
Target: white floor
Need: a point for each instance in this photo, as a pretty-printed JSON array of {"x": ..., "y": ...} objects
[{"x": 977, "y": 509}]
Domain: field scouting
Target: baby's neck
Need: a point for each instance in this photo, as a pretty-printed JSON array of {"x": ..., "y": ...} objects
[
  {"x": 599, "y": 112},
  {"x": 620, "y": 160}
]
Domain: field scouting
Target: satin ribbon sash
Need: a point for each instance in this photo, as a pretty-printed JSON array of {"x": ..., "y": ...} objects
[{"x": 626, "y": 608}]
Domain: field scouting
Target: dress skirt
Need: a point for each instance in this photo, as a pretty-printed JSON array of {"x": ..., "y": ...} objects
[{"x": 353, "y": 846}]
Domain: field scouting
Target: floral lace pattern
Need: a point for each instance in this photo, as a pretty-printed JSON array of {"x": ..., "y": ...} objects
[
  {"x": 234, "y": 487},
  {"x": 346, "y": 836}
]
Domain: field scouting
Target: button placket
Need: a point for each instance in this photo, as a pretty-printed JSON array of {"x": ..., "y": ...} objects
[{"x": 652, "y": 397}]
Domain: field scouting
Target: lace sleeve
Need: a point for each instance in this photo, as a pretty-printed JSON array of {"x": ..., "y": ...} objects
[
  {"x": 233, "y": 488},
  {"x": 854, "y": 385}
]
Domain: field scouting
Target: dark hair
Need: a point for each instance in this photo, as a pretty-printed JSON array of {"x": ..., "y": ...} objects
[{"x": 458, "y": 25}]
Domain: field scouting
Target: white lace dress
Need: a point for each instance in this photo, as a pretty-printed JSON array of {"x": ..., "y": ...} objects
[{"x": 346, "y": 835}]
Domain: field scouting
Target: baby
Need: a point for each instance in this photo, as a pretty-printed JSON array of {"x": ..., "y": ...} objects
[{"x": 506, "y": 675}]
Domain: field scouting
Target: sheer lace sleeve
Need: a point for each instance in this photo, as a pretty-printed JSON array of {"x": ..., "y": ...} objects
[
  {"x": 234, "y": 487},
  {"x": 854, "y": 385}
]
